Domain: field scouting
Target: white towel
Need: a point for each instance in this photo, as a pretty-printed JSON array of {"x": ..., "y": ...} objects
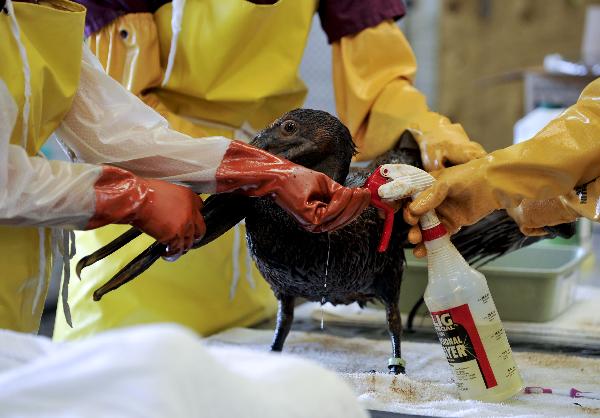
[
  {"x": 162, "y": 371},
  {"x": 428, "y": 388}
]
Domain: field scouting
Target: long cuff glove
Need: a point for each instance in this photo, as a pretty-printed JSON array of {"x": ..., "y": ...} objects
[
  {"x": 167, "y": 212},
  {"x": 563, "y": 155},
  {"x": 533, "y": 215},
  {"x": 317, "y": 202},
  {"x": 373, "y": 74}
]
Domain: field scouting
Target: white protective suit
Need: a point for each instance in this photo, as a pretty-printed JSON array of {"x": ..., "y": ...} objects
[{"x": 106, "y": 124}]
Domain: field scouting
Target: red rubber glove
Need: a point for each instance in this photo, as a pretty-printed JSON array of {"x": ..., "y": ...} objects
[
  {"x": 167, "y": 212},
  {"x": 317, "y": 202}
]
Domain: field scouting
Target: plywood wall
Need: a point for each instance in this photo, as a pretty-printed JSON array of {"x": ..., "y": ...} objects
[{"x": 480, "y": 39}]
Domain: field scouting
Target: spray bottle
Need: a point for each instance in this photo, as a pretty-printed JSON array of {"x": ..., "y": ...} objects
[{"x": 459, "y": 300}]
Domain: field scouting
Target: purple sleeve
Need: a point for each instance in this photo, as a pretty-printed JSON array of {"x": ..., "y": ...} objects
[
  {"x": 102, "y": 12},
  {"x": 341, "y": 18}
]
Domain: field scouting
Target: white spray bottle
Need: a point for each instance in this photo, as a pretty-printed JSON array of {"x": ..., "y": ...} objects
[{"x": 459, "y": 300}]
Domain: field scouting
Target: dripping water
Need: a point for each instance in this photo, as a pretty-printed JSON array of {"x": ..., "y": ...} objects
[{"x": 323, "y": 300}]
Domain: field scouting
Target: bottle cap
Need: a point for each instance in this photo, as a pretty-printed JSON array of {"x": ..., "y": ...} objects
[{"x": 436, "y": 232}]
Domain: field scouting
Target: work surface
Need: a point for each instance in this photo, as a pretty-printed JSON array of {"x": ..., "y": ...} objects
[
  {"x": 427, "y": 388},
  {"x": 577, "y": 330}
]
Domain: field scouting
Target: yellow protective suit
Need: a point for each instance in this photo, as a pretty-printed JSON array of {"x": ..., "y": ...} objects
[
  {"x": 231, "y": 91},
  {"x": 52, "y": 34},
  {"x": 563, "y": 155}
]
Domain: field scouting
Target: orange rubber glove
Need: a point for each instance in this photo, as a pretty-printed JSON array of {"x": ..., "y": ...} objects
[
  {"x": 317, "y": 202},
  {"x": 167, "y": 212}
]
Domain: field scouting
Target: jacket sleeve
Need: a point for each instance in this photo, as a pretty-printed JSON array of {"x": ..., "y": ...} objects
[
  {"x": 563, "y": 155},
  {"x": 109, "y": 125},
  {"x": 35, "y": 191},
  {"x": 341, "y": 18},
  {"x": 39, "y": 192},
  {"x": 373, "y": 75}
]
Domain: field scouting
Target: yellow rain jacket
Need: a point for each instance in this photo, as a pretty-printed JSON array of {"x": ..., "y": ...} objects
[{"x": 52, "y": 35}]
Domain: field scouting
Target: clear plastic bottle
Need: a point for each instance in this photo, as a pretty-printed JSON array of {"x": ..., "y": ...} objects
[
  {"x": 459, "y": 300},
  {"x": 467, "y": 322}
]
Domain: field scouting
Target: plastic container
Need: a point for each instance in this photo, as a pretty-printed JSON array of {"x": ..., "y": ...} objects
[
  {"x": 467, "y": 322},
  {"x": 462, "y": 309},
  {"x": 534, "y": 284}
]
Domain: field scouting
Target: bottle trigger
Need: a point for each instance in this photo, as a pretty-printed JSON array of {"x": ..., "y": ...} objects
[{"x": 375, "y": 180}]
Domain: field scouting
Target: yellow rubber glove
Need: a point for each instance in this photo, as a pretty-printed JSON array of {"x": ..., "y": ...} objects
[
  {"x": 533, "y": 215},
  {"x": 585, "y": 200},
  {"x": 563, "y": 155},
  {"x": 373, "y": 74}
]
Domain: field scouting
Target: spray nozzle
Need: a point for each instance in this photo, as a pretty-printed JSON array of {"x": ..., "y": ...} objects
[
  {"x": 396, "y": 182},
  {"x": 373, "y": 183}
]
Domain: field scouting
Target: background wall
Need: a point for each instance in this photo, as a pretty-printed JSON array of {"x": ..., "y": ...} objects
[{"x": 482, "y": 39}]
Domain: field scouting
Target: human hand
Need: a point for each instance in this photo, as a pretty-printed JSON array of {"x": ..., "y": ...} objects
[
  {"x": 533, "y": 215},
  {"x": 459, "y": 196},
  {"x": 439, "y": 152},
  {"x": 167, "y": 212}
]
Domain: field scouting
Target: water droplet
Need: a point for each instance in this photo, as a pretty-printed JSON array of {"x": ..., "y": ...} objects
[
  {"x": 328, "y": 252},
  {"x": 322, "y": 303},
  {"x": 323, "y": 300}
]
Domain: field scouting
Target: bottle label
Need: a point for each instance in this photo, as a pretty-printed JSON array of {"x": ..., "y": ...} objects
[{"x": 463, "y": 347}]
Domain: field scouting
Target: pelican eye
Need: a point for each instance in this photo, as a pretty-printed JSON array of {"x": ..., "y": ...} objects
[{"x": 289, "y": 127}]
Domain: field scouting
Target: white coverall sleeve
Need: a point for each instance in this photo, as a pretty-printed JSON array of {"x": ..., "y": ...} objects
[
  {"x": 156, "y": 371},
  {"x": 109, "y": 125},
  {"x": 38, "y": 192}
]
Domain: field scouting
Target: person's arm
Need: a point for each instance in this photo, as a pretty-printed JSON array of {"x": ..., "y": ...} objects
[
  {"x": 533, "y": 215},
  {"x": 563, "y": 155},
  {"x": 374, "y": 73},
  {"x": 38, "y": 192},
  {"x": 84, "y": 196},
  {"x": 109, "y": 125}
]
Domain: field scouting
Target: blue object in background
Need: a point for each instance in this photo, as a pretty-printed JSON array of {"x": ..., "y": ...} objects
[{"x": 53, "y": 151}]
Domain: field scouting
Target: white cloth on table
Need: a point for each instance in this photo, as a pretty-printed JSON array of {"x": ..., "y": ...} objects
[
  {"x": 161, "y": 371},
  {"x": 428, "y": 388}
]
